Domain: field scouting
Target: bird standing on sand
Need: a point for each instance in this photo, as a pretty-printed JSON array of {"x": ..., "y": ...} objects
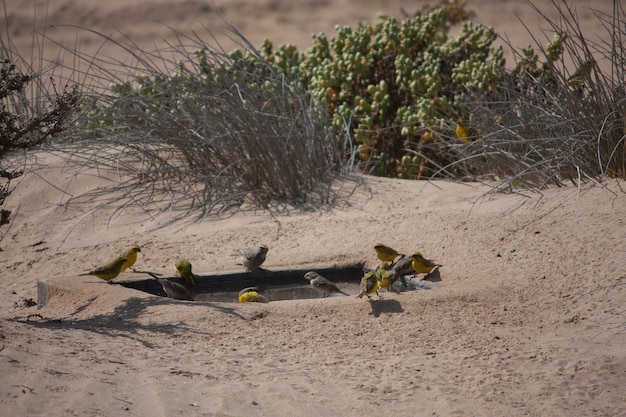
[
  {"x": 251, "y": 295},
  {"x": 322, "y": 285},
  {"x": 385, "y": 253},
  {"x": 131, "y": 257},
  {"x": 108, "y": 271},
  {"x": 422, "y": 265},
  {"x": 253, "y": 258},
  {"x": 369, "y": 285},
  {"x": 183, "y": 268}
]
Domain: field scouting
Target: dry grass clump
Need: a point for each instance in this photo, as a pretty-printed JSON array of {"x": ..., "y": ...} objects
[
  {"x": 178, "y": 127},
  {"x": 561, "y": 114}
]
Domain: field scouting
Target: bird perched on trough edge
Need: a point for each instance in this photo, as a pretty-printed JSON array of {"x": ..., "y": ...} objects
[
  {"x": 251, "y": 294},
  {"x": 183, "y": 268},
  {"x": 253, "y": 258},
  {"x": 108, "y": 271},
  {"x": 422, "y": 265},
  {"x": 322, "y": 285},
  {"x": 386, "y": 276},
  {"x": 173, "y": 289},
  {"x": 369, "y": 285},
  {"x": 401, "y": 268},
  {"x": 385, "y": 253},
  {"x": 131, "y": 257}
]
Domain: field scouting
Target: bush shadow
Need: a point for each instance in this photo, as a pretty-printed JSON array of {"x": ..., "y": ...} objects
[{"x": 124, "y": 320}]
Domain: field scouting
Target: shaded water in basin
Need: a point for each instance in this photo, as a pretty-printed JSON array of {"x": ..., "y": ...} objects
[{"x": 282, "y": 292}]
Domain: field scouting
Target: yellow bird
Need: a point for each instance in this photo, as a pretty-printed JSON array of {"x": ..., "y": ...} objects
[
  {"x": 322, "y": 285},
  {"x": 131, "y": 257},
  {"x": 465, "y": 132},
  {"x": 386, "y": 275},
  {"x": 385, "y": 253},
  {"x": 183, "y": 268},
  {"x": 581, "y": 74},
  {"x": 369, "y": 285},
  {"x": 422, "y": 265},
  {"x": 251, "y": 295},
  {"x": 108, "y": 271}
]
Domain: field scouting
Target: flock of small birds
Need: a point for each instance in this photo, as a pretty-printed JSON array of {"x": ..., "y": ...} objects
[{"x": 393, "y": 266}]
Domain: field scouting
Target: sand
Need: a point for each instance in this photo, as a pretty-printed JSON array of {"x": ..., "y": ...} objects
[{"x": 527, "y": 320}]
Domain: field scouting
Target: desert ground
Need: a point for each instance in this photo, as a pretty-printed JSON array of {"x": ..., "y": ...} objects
[{"x": 528, "y": 317}]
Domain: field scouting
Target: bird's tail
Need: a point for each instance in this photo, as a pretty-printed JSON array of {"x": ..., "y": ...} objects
[
  {"x": 153, "y": 275},
  {"x": 344, "y": 293}
]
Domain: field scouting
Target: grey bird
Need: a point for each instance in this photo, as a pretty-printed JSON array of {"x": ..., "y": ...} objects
[
  {"x": 401, "y": 268},
  {"x": 253, "y": 258},
  {"x": 175, "y": 290},
  {"x": 322, "y": 285}
]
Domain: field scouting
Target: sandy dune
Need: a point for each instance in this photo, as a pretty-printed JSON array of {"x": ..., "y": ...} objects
[{"x": 527, "y": 320}]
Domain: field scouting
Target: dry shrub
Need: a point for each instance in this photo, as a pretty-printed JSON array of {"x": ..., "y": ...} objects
[
  {"x": 186, "y": 130},
  {"x": 561, "y": 114},
  {"x": 32, "y": 111}
]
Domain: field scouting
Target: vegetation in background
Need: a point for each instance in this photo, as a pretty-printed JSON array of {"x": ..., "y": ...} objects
[
  {"x": 199, "y": 129},
  {"x": 409, "y": 100},
  {"x": 27, "y": 120},
  {"x": 392, "y": 88},
  {"x": 192, "y": 126},
  {"x": 560, "y": 114}
]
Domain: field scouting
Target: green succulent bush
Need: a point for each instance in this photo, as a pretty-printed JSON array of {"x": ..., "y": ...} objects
[{"x": 393, "y": 88}]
